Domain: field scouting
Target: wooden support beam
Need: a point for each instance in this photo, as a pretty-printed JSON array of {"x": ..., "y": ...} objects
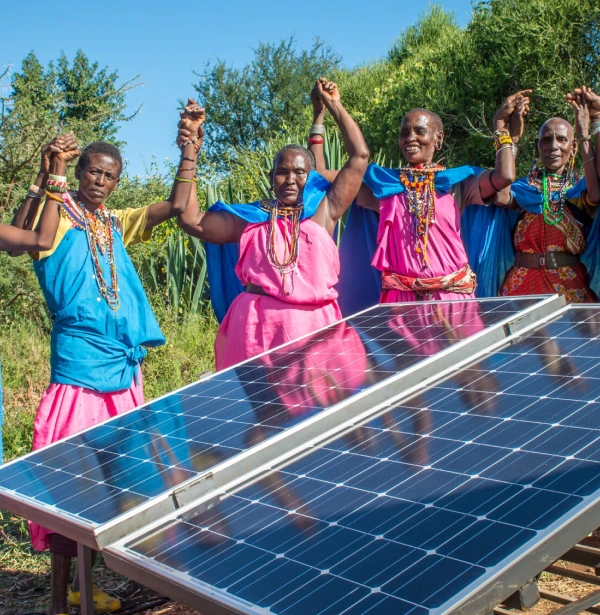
[
  {"x": 583, "y": 555},
  {"x": 573, "y": 605},
  {"x": 573, "y": 574}
]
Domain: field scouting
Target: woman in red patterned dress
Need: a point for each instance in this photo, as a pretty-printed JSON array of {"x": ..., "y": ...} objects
[{"x": 557, "y": 211}]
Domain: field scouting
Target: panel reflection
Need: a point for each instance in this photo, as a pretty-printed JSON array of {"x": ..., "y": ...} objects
[{"x": 139, "y": 455}]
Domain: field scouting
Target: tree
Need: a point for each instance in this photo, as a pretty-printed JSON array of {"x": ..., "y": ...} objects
[
  {"x": 79, "y": 97},
  {"x": 463, "y": 74},
  {"x": 247, "y": 106}
]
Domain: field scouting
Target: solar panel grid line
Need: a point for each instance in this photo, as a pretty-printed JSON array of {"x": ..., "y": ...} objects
[
  {"x": 532, "y": 558},
  {"x": 264, "y": 455},
  {"x": 162, "y": 503}
]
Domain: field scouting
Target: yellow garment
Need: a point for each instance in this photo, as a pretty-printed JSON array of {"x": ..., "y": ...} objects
[
  {"x": 582, "y": 202},
  {"x": 133, "y": 223}
]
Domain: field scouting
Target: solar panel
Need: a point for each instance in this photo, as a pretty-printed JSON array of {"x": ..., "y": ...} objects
[
  {"x": 446, "y": 503},
  {"x": 107, "y": 481}
]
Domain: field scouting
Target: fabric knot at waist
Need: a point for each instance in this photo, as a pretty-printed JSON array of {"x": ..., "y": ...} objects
[
  {"x": 463, "y": 281},
  {"x": 136, "y": 354}
]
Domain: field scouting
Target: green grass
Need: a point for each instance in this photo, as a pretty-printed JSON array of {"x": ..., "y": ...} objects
[
  {"x": 25, "y": 352},
  {"x": 26, "y": 369}
]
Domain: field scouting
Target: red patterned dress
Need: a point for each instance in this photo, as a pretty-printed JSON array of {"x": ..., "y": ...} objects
[{"x": 533, "y": 235}]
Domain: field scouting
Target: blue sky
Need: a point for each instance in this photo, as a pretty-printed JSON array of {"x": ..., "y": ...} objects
[{"x": 164, "y": 42}]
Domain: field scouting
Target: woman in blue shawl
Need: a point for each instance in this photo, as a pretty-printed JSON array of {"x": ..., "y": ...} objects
[{"x": 556, "y": 211}]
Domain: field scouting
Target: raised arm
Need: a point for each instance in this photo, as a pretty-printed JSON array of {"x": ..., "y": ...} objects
[
  {"x": 211, "y": 226},
  {"x": 346, "y": 185},
  {"x": 504, "y": 172},
  {"x": 185, "y": 177},
  {"x": 316, "y": 136},
  {"x": 28, "y": 211},
  {"x": 593, "y": 101},
  {"x": 504, "y": 198},
  {"x": 19, "y": 240},
  {"x": 581, "y": 106}
]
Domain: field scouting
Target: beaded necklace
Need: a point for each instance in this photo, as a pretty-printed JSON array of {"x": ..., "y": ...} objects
[
  {"x": 99, "y": 232},
  {"x": 420, "y": 191},
  {"x": 291, "y": 239},
  {"x": 553, "y": 188}
]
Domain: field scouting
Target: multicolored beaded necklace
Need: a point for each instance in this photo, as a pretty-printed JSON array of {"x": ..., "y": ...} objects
[
  {"x": 420, "y": 190},
  {"x": 553, "y": 188},
  {"x": 291, "y": 239},
  {"x": 99, "y": 232}
]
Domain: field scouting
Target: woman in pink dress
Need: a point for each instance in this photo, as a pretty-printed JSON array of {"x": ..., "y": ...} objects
[
  {"x": 419, "y": 247},
  {"x": 288, "y": 261}
]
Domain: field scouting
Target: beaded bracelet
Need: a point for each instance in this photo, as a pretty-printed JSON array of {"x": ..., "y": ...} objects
[
  {"x": 316, "y": 141},
  {"x": 57, "y": 178},
  {"x": 503, "y": 147},
  {"x": 182, "y": 179},
  {"x": 595, "y": 128},
  {"x": 502, "y": 139},
  {"x": 36, "y": 190},
  {"x": 317, "y": 129}
]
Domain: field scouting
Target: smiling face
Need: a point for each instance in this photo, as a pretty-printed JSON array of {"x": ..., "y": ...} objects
[
  {"x": 420, "y": 137},
  {"x": 556, "y": 144},
  {"x": 289, "y": 177},
  {"x": 97, "y": 179}
]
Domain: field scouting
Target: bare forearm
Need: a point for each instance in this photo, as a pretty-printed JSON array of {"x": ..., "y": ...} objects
[
  {"x": 354, "y": 142},
  {"x": 28, "y": 211},
  {"x": 185, "y": 184},
  {"x": 314, "y": 146}
]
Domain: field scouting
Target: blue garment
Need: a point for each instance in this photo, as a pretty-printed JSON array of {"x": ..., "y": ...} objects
[
  {"x": 487, "y": 236},
  {"x": 225, "y": 286},
  {"x": 360, "y": 283},
  {"x": 385, "y": 182},
  {"x": 531, "y": 199},
  {"x": 91, "y": 345}
]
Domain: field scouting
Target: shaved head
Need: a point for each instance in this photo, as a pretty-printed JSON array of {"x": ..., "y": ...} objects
[
  {"x": 434, "y": 118},
  {"x": 555, "y": 122}
]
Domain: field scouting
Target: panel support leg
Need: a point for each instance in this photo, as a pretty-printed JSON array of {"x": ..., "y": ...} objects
[
  {"x": 84, "y": 567},
  {"x": 527, "y": 596}
]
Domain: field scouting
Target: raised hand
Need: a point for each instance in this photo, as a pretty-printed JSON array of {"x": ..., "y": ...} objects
[
  {"x": 48, "y": 150},
  {"x": 69, "y": 148},
  {"x": 509, "y": 106},
  {"x": 592, "y": 99},
  {"x": 191, "y": 124},
  {"x": 582, "y": 112},
  {"x": 317, "y": 103},
  {"x": 328, "y": 91},
  {"x": 516, "y": 122}
]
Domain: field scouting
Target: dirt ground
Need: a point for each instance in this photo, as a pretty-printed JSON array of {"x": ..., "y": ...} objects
[{"x": 24, "y": 588}]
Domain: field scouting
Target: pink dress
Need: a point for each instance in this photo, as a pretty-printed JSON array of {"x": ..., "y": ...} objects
[
  {"x": 256, "y": 323},
  {"x": 65, "y": 410},
  {"x": 445, "y": 250}
]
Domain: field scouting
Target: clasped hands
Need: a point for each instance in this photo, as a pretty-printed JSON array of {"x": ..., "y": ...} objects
[{"x": 190, "y": 127}]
